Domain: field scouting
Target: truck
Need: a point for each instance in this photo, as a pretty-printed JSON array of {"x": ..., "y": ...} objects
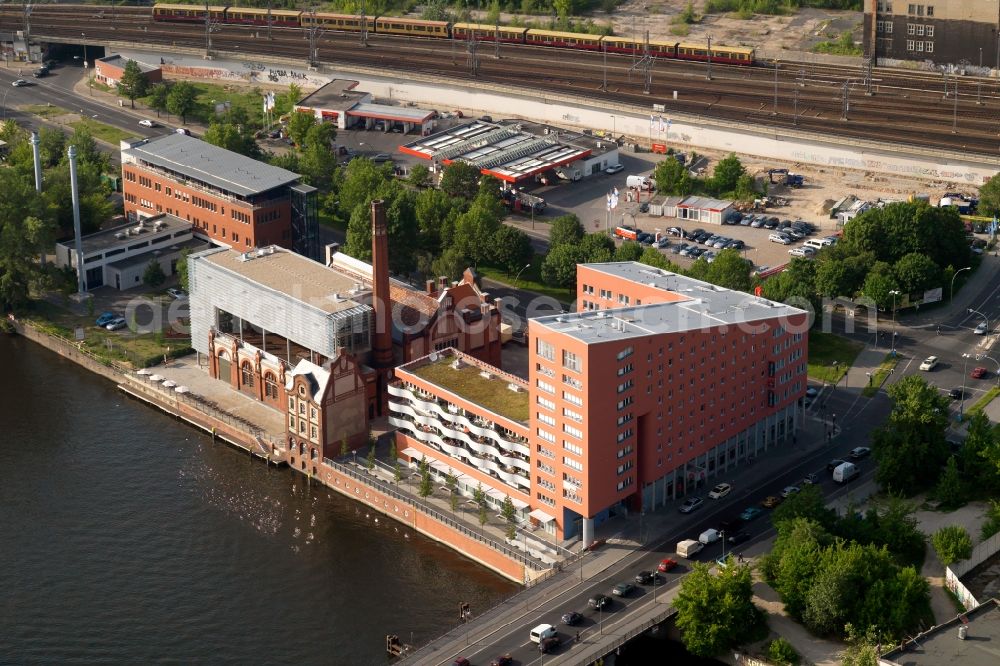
[
  {"x": 785, "y": 177},
  {"x": 522, "y": 202},
  {"x": 626, "y": 232},
  {"x": 689, "y": 548},
  {"x": 639, "y": 183},
  {"x": 845, "y": 472},
  {"x": 709, "y": 536}
]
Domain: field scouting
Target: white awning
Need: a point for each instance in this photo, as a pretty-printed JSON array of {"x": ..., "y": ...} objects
[
  {"x": 495, "y": 494},
  {"x": 518, "y": 504},
  {"x": 410, "y": 452},
  {"x": 442, "y": 467},
  {"x": 541, "y": 516}
]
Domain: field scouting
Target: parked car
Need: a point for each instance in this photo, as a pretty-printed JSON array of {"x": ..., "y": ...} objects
[
  {"x": 807, "y": 252},
  {"x": 623, "y": 589},
  {"x": 809, "y": 479},
  {"x": 957, "y": 394},
  {"x": 679, "y": 248},
  {"x": 615, "y": 168},
  {"x": 771, "y": 223},
  {"x": 735, "y": 244},
  {"x": 461, "y": 661},
  {"x": 572, "y": 618},
  {"x": 834, "y": 464},
  {"x": 720, "y": 491},
  {"x": 646, "y": 578},
  {"x": 599, "y": 602},
  {"x": 708, "y": 256},
  {"x": 665, "y": 565},
  {"x": 779, "y": 238},
  {"x": 663, "y": 243},
  {"x": 148, "y": 123},
  {"x": 644, "y": 207},
  {"x": 675, "y": 231},
  {"x": 980, "y": 328},
  {"x": 757, "y": 222},
  {"x": 812, "y": 392},
  {"x": 696, "y": 252},
  {"x": 106, "y": 318},
  {"x": 186, "y": 132},
  {"x": 979, "y": 372},
  {"x": 750, "y": 513},
  {"x": 690, "y": 504},
  {"x": 859, "y": 452},
  {"x": 771, "y": 501},
  {"x": 929, "y": 363},
  {"x": 176, "y": 292},
  {"x": 788, "y": 491},
  {"x": 382, "y": 157},
  {"x": 116, "y": 324}
]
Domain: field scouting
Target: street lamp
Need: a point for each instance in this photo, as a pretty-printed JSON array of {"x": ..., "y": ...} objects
[
  {"x": 84, "y": 35},
  {"x": 985, "y": 319},
  {"x": 965, "y": 372},
  {"x": 952, "y": 296},
  {"x": 894, "y": 293},
  {"x": 519, "y": 274}
]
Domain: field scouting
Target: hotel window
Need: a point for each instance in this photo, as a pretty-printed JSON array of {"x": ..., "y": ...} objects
[
  {"x": 313, "y": 433},
  {"x": 291, "y": 422},
  {"x": 545, "y": 386},
  {"x": 572, "y": 448},
  {"x": 542, "y": 370},
  {"x": 911, "y": 29},
  {"x": 572, "y": 399},
  {"x": 570, "y": 414},
  {"x": 570, "y": 430},
  {"x": 291, "y": 404},
  {"x": 920, "y": 47},
  {"x": 545, "y": 350},
  {"x": 572, "y": 381},
  {"x": 547, "y": 404},
  {"x": 547, "y": 436},
  {"x": 920, "y": 30},
  {"x": 930, "y": 10},
  {"x": 546, "y": 419},
  {"x": 312, "y": 413},
  {"x": 625, "y": 353},
  {"x": 573, "y": 464},
  {"x": 571, "y": 361},
  {"x": 929, "y": 47}
]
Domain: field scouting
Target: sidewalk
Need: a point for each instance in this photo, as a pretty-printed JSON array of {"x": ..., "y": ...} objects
[{"x": 963, "y": 300}]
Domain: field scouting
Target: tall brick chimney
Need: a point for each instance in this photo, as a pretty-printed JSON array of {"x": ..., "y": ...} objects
[{"x": 382, "y": 342}]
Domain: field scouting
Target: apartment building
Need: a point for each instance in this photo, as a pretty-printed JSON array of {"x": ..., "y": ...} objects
[
  {"x": 951, "y": 32},
  {"x": 231, "y": 200},
  {"x": 658, "y": 383}
]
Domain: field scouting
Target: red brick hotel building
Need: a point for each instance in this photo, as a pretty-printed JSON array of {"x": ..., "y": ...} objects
[{"x": 657, "y": 383}]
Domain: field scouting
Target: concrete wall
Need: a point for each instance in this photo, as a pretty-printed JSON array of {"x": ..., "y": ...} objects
[{"x": 954, "y": 573}]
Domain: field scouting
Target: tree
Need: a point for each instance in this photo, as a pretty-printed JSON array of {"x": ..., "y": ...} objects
[
  {"x": 451, "y": 483},
  {"x": 158, "y": 96},
  {"x": 780, "y": 651},
  {"x": 879, "y": 284},
  {"x": 746, "y": 188},
  {"x": 370, "y": 461},
  {"x": 153, "y": 275},
  {"x": 653, "y": 257},
  {"x": 989, "y": 197},
  {"x": 992, "y": 523},
  {"x": 565, "y": 229},
  {"x": 182, "y": 269},
  {"x": 479, "y": 496},
  {"x": 460, "y": 179},
  {"x": 916, "y": 272},
  {"x": 727, "y": 174},
  {"x": 950, "y": 489},
  {"x": 182, "y": 99},
  {"x": 952, "y": 543},
  {"x": 228, "y": 136},
  {"x": 420, "y": 176},
  {"x": 716, "y": 612},
  {"x": 511, "y": 249},
  {"x": 668, "y": 175},
  {"x": 731, "y": 271},
  {"x": 51, "y": 146},
  {"x": 475, "y": 228},
  {"x": 483, "y": 515},
  {"x": 299, "y": 125},
  {"x": 863, "y": 649},
  {"x": 426, "y": 484},
  {"x": 628, "y": 251},
  {"x": 597, "y": 248},
  {"x": 509, "y": 514},
  {"x": 24, "y": 233},
  {"x": 317, "y": 160},
  {"x": 451, "y": 264},
  {"x": 133, "y": 82},
  {"x": 979, "y": 470},
  {"x": 794, "y": 561},
  {"x": 809, "y": 504},
  {"x": 343, "y": 446},
  {"x": 559, "y": 266},
  {"x": 834, "y": 278},
  {"x": 87, "y": 151}
]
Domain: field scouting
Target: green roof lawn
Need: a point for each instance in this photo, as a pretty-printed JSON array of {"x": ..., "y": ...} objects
[{"x": 466, "y": 382}]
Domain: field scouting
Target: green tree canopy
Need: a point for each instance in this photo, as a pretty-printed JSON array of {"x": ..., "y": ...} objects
[
  {"x": 419, "y": 176},
  {"x": 182, "y": 99},
  {"x": 511, "y": 249},
  {"x": 916, "y": 272},
  {"x": 461, "y": 179},
  {"x": 952, "y": 543},
  {"x": 133, "y": 82},
  {"x": 668, "y": 175},
  {"x": 299, "y": 125},
  {"x": 153, "y": 276},
  {"x": 715, "y": 612},
  {"x": 989, "y": 197},
  {"x": 158, "y": 95},
  {"x": 727, "y": 174},
  {"x": 730, "y": 270},
  {"x": 229, "y": 136},
  {"x": 559, "y": 266},
  {"x": 628, "y": 251},
  {"x": 565, "y": 229},
  {"x": 317, "y": 160},
  {"x": 880, "y": 284}
]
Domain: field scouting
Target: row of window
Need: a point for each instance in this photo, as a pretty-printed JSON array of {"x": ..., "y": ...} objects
[{"x": 919, "y": 47}]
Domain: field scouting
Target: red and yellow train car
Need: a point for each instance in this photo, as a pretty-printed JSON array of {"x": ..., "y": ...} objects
[
  {"x": 393, "y": 25},
  {"x": 657, "y": 48},
  {"x": 346, "y": 22},
  {"x": 284, "y": 18},
  {"x": 488, "y": 33},
  {"x": 188, "y": 13},
  {"x": 734, "y": 55},
  {"x": 566, "y": 40}
]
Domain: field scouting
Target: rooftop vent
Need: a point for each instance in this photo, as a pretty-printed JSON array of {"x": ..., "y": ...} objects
[
  {"x": 486, "y": 374},
  {"x": 516, "y": 388}
]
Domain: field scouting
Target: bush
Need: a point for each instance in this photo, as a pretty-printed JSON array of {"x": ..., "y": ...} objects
[
  {"x": 992, "y": 523},
  {"x": 781, "y": 652},
  {"x": 952, "y": 544}
]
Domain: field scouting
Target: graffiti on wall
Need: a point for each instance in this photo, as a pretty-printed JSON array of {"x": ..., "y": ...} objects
[
  {"x": 250, "y": 73},
  {"x": 904, "y": 169}
]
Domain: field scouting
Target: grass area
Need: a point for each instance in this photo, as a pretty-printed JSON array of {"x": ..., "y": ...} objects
[
  {"x": 103, "y": 131},
  {"x": 122, "y": 346},
  {"x": 210, "y": 94},
  {"x": 467, "y": 382},
  {"x": 987, "y": 398},
  {"x": 94, "y": 83},
  {"x": 530, "y": 280},
  {"x": 680, "y": 30},
  {"x": 844, "y": 45},
  {"x": 879, "y": 376},
  {"x": 824, "y": 349},
  {"x": 43, "y": 111}
]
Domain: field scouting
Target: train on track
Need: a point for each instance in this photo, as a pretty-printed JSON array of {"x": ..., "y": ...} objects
[{"x": 394, "y": 25}]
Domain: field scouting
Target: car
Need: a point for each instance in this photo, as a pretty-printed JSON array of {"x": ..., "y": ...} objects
[
  {"x": 646, "y": 578},
  {"x": 644, "y": 207},
  {"x": 736, "y": 244},
  {"x": 623, "y": 589},
  {"x": 720, "y": 491},
  {"x": 175, "y": 292},
  {"x": 690, "y": 504},
  {"x": 663, "y": 243},
  {"x": 834, "y": 464},
  {"x": 461, "y": 661},
  {"x": 615, "y": 168},
  {"x": 779, "y": 238},
  {"x": 572, "y": 618},
  {"x": 771, "y": 223},
  {"x": 757, "y": 222},
  {"x": 599, "y": 601},
  {"x": 929, "y": 363},
  {"x": 644, "y": 239},
  {"x": 549, "y": 644},
  {"x": 956, "y": 394},
  {"x": 771, "y": 501},
  {"x": 382, "y": 157},
  {"x": 148, "y": 123},
  {"x": 20, "y": 82},
  {"x": 503, "y": 660},
  {"x": 859, "y": 452},
  {"x": 40, "y": 72},
  {"x": 679, "y": 248},
  {"x": 807, "y": 252},
  {"x": 116, "y": 324},
  {"x": 750, "y": 513},
  {"x": 738, "y": 537},
  {"x": 665, "y": 565},
  {"x": 676, "y": 231},
  {"x": 809, "y": 479},
  {"x": 980, "y": 328},
  {"x": 709, "y": 256},
  {"x": 788, "y": 491},
  {"x": 106, "y": 318},
  {"x": 186, "y": 132},
  {"x": 979, "y": 372},
  {"x": 696, "y": 252},
  {"x": 812, "y": 392}
]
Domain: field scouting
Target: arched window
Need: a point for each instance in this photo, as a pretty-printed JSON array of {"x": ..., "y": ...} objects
[
  {"x": 246, "y": 370},
  {"x": 302, "y": 449},
  {"x": 312, "y": 454},
  {"x": 270, "y": 386}
]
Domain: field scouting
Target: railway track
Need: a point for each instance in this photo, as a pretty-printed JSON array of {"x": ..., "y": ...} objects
[{"x": 908, "y": 108}]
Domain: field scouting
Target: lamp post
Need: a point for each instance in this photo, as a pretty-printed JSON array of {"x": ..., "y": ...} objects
[
  {"x": 986, "y": 319},
  {"x": 952, "y": 296},
  {"x": 894, "y": 293},
  {"x": 519, "y": 274},
  {"x": 84, "y": 35},
  {"x": 965, "y": 372}
]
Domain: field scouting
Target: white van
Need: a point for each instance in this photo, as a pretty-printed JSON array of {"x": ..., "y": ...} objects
[
  {"x": 639, "y": 182},
  {"x": 709, "y": 536},
  {"x": 816, "y": 244},
  {"x": 845, "y": 472},
  {"x": 541, "y": 632}
]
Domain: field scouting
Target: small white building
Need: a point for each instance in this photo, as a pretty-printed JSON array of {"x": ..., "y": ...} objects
[
  {"x": 704, "y": 210},
  {"x": 118, "y": 256}
]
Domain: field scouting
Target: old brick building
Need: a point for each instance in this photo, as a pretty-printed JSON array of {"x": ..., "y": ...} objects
[{"x": 941, "y": 32}]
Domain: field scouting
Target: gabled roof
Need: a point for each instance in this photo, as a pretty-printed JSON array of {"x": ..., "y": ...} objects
[{"x": 316, "y": 377}]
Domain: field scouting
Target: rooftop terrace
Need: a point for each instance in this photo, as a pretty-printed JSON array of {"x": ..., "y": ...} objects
[{"x": 470, "y": 381}]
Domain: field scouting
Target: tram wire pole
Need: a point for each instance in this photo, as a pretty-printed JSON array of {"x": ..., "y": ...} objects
[
  {"x": 269, "y": 20},
  {"x": 604, "y": 50},
  {"x": 774, "y": 111},
  {"x": 954, "y": 117},
  {"x": 709, "y": 74},
  {"x": 979, "y": 79}
]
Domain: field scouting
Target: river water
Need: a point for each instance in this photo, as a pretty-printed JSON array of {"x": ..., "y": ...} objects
[{"x": 126, "y": 536}]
